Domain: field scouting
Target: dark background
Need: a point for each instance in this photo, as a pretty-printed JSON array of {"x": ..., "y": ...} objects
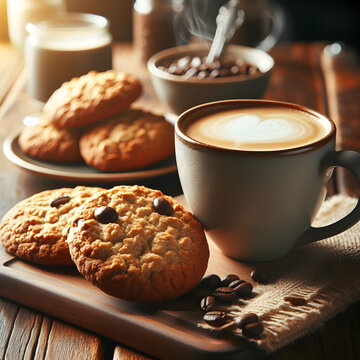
[
  {"x": 322, "y": 20},
  {"x": 307, "y": 20}
]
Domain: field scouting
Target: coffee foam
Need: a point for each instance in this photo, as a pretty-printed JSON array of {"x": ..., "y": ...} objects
[{"x": 259, "y": 129}]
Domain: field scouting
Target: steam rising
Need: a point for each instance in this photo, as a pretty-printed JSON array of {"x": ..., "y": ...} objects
[{"x": 200, "y": 17}]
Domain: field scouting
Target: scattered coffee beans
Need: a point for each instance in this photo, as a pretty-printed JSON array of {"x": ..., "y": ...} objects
[
  {"x": 224, "y": 292},
  {"x": 243, "y": 290},
  {"x": 196, "y": 67},
  {"x": 261, "y": 277},
  {"x": 253, "y": 330},
  {"x": 295, "y": 301},
  {"x": 224, "y": 295},
  {"x": 162, "y": 206},
  {"x": 226, "y": 280},
  {"x": 215, "y": 318},
  {"x": 208, "y": 303},
  {"x": 105, "y": 214},
  {"x": 245, "y": 319},
  {"x": 235, "y": 283},
  {"x": 60, "y": 200},
  {"x": 211, "y": 281}
]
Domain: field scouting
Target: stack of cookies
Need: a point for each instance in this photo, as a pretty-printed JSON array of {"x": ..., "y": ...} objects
[
  {"x": 132, "y": 242},
  {"x": 89, "y": 119}
]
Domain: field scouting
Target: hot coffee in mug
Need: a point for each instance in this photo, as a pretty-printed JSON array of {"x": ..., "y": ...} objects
[
  {"x": 255, "y": 173},
  {"x": 262, "y": 129}
]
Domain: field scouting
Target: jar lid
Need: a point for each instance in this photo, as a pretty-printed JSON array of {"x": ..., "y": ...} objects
[{"x": 69, "y": 28}]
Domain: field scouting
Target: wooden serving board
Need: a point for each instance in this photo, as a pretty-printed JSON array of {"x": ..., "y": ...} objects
[{"x": 164, "y": 330}]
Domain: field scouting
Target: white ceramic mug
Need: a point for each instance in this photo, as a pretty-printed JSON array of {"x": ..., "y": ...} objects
[{"x": 258, "y": 205}]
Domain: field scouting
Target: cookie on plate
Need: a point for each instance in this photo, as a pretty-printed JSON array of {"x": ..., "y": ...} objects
[
  {"x": 36, "y": 228},
  {"x": 130, "y": 140},
  {"x": 91, "y": 97},
  {"x": 46, "y": 142},
  {"x": 137, "y": 244}
]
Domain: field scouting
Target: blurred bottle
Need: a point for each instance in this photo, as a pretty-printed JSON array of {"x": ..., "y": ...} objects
[
  {"x": 21, "y": 12},
  {"x": 157, "y": 25}
]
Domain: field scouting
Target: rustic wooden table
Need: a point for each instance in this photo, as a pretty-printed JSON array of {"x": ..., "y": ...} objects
[{"x": 309, "y": 74}]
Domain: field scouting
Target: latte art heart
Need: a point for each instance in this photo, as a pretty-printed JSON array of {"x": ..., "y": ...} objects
[
  {"x": 251, "y": 128},
  {"x": 259, "y": 129}
]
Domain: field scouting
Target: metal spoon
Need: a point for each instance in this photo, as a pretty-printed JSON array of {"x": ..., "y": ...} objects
[{"x": 229, "y": 18}]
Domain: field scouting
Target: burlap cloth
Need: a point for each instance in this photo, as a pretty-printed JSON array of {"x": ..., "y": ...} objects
[{"x": 325, "y": 273}]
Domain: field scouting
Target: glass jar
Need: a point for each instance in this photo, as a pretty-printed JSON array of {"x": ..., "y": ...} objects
[
  {"x": 58, "y": 49},
  {"x": 21, "y": 12},
  {"x": 156, "y": 25}
]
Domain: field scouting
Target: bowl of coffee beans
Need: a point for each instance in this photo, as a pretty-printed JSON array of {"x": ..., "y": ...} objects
[{"x": 182, "y": 77}]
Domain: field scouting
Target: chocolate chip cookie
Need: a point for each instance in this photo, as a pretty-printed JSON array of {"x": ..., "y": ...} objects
[
  {"x": 91, "y": 97},
  {"x": 130, "y": 140},
  {"x": 36, "y": 228},
  {"x": 46, "y": 142},
  {"x": 137, "y": 244}
]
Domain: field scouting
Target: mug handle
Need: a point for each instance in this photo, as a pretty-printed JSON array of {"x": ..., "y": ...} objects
[
  {"x": 349, "y": 160},
  {"x": 277, "y": 28}
]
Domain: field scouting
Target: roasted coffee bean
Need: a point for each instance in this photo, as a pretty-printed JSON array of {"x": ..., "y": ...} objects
[
  {"x": 60, "y": 200},
  {"x": 184, "y": 62},
  {"x": 224, "y": 72},
  {"x": 243, "y": 68},
  {"x": 196, "y": 61},
  {"x": 295, "y": 301},
  {"x": 224, "y": 295},
  {"x": 235, "y": 283},
  {"x": 245, "y": 319},
  {"x": 215, "y": 318},
  {"x": 197, "y": 67},
  {"x": 204, "y": 67},
  {"x": 226, "y": 280},
  {"x": 261, "y": 277},
  {"x": 211, "y": 281},
  {"x": 106, "y": 214},
  {"x": 253, "y": 330},
  {"x": 243, "y": 290},
  {"x": 214, "y": 74},
  {"x": 234, "y": 70},
  {"x": 216, "y": 65},
  {"x": 172, "y": 69},
  {"x": 190, "y": 73},
  {"x": 162, "y": 206},
  {"x": 202, "y": 75},
  {"x": 208, "y": 303},
  {"x": 252, "y": 70}
]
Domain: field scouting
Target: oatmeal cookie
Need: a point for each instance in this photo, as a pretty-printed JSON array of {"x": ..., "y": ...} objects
[
  {"x": 137, "y": 244},
  {"x": 91, "y": 97},
  {"x": 46, "y": 142},
  {"x": 130, "y": 140},
  {"x": 36, "y": 228}
]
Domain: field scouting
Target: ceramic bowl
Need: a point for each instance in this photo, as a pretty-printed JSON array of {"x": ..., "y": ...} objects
[{"x": 181, "y": 94}]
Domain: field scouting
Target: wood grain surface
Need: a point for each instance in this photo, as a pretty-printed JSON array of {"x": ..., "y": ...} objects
[
  {"x": 341, "y": 71},
  {"x": 167, "y": 329},
  {"x": 303, "y": 74}
]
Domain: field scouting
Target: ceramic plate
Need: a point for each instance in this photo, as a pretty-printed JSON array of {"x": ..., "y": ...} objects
[{"x": 80, "y": 172}]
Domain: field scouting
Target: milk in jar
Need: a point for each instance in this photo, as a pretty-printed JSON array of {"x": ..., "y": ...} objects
[{"x": 64, "y": 47}]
